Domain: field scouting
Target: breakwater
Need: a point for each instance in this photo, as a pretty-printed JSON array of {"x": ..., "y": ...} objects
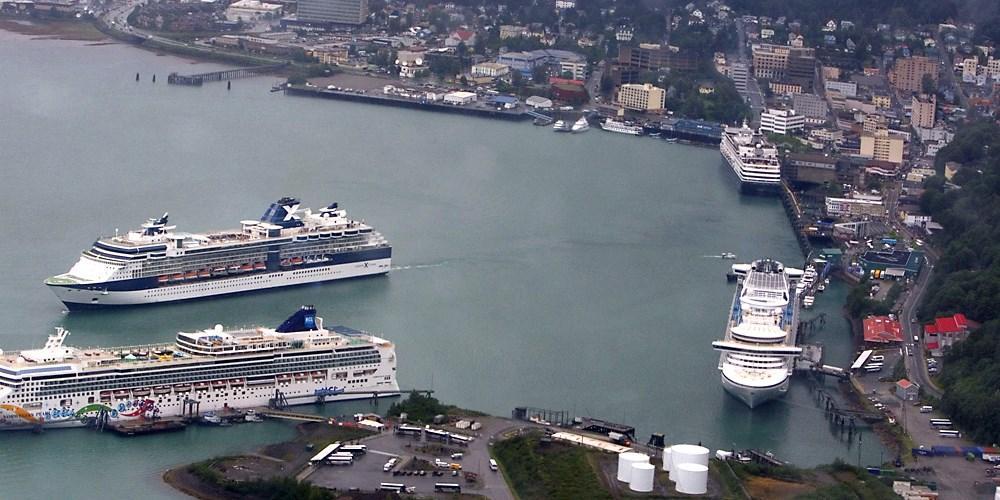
[{"x": 474, "y": 109}]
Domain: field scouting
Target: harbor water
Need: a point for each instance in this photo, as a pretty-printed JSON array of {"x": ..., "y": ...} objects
[{"x": 565, "y": 271}]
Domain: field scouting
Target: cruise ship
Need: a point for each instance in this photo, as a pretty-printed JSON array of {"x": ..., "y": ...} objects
[
  {"x": 285, "y": 247},
  {"x": 758, "y": 350},
  {"x": 752, "y": 158},
  {"x": 299, "y": 362}
]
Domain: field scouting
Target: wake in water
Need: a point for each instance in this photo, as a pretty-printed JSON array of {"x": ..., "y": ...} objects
[{"x": 418, "y": 266}]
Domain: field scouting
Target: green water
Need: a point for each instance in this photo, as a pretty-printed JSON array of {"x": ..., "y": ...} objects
[{"x": 530, "y": 268}]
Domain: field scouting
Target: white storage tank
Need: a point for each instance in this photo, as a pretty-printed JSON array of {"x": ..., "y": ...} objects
[
  {"x": 625, "y": 461},
  {"x": 686, "y": 454},
  {"x": 642, "y": 477},
  {"x": 667, "y": 452},
  {"x": 692, "y": 479}
]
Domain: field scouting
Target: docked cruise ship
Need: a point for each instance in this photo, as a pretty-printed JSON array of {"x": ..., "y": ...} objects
[
  {"x": 621, "y": 127},
  {"x": 752, "y": 158},
  {"x": 300, "y": 362},
  {"x": 285, "y": 247},
  {"x": 758, "y": 351}
]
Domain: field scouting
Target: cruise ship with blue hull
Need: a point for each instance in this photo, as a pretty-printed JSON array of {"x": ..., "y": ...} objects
[{"x": 286, "y": 246}]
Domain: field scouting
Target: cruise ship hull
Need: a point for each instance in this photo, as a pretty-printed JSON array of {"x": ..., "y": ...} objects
[
  {"x": 15, "y": 417},
  {"x": 754, "y": 396},
  {"x": 95, "y": 296}
]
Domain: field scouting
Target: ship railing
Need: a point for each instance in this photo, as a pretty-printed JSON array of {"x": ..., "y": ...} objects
[{"x": 130, "y": 348}]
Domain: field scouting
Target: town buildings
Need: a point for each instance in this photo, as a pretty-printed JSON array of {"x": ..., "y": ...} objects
[
  {"x": 251, "y": 10},
  {"x": 944, "y": 332},
  {"x": 882, "y": 330},
  {"x": 908, "y": 73},
  {"x": 338, "y": 12},
  {"x": 642, "y": 97},
  {"x": 922, "y": 113},
  {"x": 857, "y": 206},
  {"x": 882, "y": 145},
  {"x": 490, "y": 69},
  {"x": 781, "y": 121}
]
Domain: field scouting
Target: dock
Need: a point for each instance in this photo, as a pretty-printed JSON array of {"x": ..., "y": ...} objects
[
  {"x": 224, "y": 75},
  {"x": 470, "y": 110},
  {"x": 140, "y": 427},
  {"x": 290, "y": 415}
]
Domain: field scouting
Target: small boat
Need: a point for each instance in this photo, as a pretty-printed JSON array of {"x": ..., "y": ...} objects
[
  {"x": 296, "y": 261},
  {"x": 301, "y": 376},
  {"x": 252, "y": 416},
  {"x": 246, "y": 267},
  {"x": 211, "y": 418},
  {"x": 163, "y": 389},
  {"x": 808, "y": 301},
  {"x": 236, "y": 382},
  {"x": 219, "y": 271},
  {"x": 121, "y": 394},
  {"x": 670, "y": 140},
  {"x": 177, "y": 277},
  {"x": 826, "y": 281},
  {"x": 728, "y": 255},
  {"x": 218, "y": 383},
  {"x": 259, "y": 266},
  {"x": 201, "y": 386},
  {"x": 286, "y": 262},
  {"x": 204, "y": 273},
  {"x": 580, "y": 125},
  {"x": 190, "y": 275},
  {"x": 820, "y": 288},
  {"x": 182, "y": 388},
  {"x": 562, "y": 126},
  {"x": 542, "y": 121},
  {"x": 162, "y": 279},
  {"x": 144, "y": 391},
  {"x": 235, "y": 268},
  {"x": 319, "y": 375},
  {"x": 105, "y": 395}
]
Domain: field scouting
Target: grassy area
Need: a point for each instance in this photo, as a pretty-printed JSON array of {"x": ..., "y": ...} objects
[
  {"x": 52, "y": 29},
  {"x": 554, "y": 471},
  {"x": 724, "y": 475},
  {"x": 273, "y": 488}
]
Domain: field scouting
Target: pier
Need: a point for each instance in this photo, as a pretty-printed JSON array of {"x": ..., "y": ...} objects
[
  {"x": 468, "y": 109},
  {"x": 218, "y": 76}
]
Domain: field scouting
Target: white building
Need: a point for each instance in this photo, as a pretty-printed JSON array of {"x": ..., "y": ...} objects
[
  {"x": 565, "y": 4},
  {"x": 853, "y": 206},
  {"x": 739, "y": 73},
  {"x": 252, "y": 10},
  {"x": 460, "y": 98},
  {"x": 538, "y": 102},
  {"x": 781, "y": 121},
  {"x": 846, "y": 89},
  {"x": 490, "y": 69}
]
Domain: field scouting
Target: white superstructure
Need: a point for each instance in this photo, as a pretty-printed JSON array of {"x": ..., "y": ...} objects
[
  {"x": 300, "y": 361},
  {"x": 581, "y": 125},
  {"x": 752, "y": 158},
  {"x": 286, "y": 246},
  {"x": 621, "y": 127},
  {"x": 758, "y": 350}
]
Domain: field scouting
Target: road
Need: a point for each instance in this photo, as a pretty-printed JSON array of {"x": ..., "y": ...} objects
[{"x": 753, "y": 95}]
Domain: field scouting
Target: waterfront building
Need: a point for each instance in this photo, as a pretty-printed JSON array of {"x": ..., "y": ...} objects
[
  {"x": 909, "y": 263},
  {"x": 908, "y": 391},
  {"x": 410, "y": 63},
  {"x": 882, "y": 145},
  {"x": 538, "y": 102},
  {"x": 810, "y": 106},
  {"x": 460, "y": 98},
  {"x": 252, "y": 10},
  {"x": 810, "y": 168},
  {"x": 882, "y": 330},
  {"x": 908, "y": 73},
  {"x": 490, "y": 70},
  {"x": 331, "y": 55},
  {"x": 856, "y": 206},
  {"x": 781, "y": 121},
  {"x": 336, "y": 12},
  {"x": 922, "y": 113},
  {"x": 643, "y": 97}
]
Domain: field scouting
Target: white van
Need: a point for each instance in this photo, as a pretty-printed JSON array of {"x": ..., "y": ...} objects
[
  {"x": 926, "y": 409},
  {"x": 493, "y": 465}
]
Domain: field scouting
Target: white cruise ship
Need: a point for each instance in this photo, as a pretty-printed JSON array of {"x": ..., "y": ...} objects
[
  {"x": 299, "y": 362},
  {"x": 752, "y": 158},
  {"x": 621, "y": 127},
  {"x": 285, "y": 247},
  {"x": 758, "y": 350}
]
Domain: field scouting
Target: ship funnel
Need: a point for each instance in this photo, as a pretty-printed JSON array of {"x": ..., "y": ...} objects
[{"x": 303, "y": 320}]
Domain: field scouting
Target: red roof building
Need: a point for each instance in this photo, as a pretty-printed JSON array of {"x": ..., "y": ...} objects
[
  {"x": 944, "y": 332},
  {"x": 882, "y": 330}
]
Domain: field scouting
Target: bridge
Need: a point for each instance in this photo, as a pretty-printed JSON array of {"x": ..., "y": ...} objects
[
  {"x": 218, "y": 76},
  {"x": 536, "y": 114},
  {"x": 289, "y": 415}
]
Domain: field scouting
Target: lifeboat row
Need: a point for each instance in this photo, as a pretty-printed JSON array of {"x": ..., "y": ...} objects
[{"x": 211, "y": 273}]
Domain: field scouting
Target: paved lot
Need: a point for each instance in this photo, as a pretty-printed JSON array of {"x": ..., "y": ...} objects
[
  {"x": 367, "y": 471},
  {"x": 955, "y": 476}
]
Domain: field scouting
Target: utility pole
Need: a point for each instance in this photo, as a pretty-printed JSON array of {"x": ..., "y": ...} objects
[{"x": 859, "y": 450}]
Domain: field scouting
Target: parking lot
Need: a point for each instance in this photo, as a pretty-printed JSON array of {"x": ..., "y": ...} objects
[{"x": 416, "y": 467}]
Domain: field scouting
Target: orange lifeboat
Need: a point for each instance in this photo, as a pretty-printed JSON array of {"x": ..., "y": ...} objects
[
  {"x": 204, "y": 273},
  {"x": 162, "y": 279},
  {"x": 259, "y": 266}
]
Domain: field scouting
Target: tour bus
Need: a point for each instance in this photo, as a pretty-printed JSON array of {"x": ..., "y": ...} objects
[
  {"x": 325, "y": 452},
  {"x": 873, "y": 367},
  {"x": 337, "y": 459},
  {"x": 409, "y": 430},
  {"x": 354, "y": 449},
  {"x": 877, "y": 358},
  {"x": 948, "y": 433},
  {"x": 448, "y": 487},
  {"x": 926, "y": 409},
  {"x": 394, "y": 487},
  {"x": 940, "y": 422}
]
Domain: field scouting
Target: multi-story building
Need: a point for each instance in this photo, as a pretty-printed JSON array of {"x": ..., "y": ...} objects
[
  {"x": 970, "y": 68},
  {"x": 739, "y": 73},
  {"x": 345, "y": 12},
  {"x": 524, "y": 62},
  {"x": 873, "y": 122},
  {"x": 770, "y": 61},
  {"x": 644, "y": 97},
  {"x": 837, "y": 207},
  {"x": 809, "y": 168},
  {"x": 781, "y": 121},
  {"x": 882, "y": 101},
  {"x": 809, "y": 105},
  {"x": 846, "y": 89},
  {"x": 490, "y": 69},
  {"x": 883, "y": 146},
  {"x": 509, "y": 31},
  {"x": 922, "y": 115},
  {"x": 653, "y": 57},
  {"x": 993, "y": 68},
  {"x": 908, "y": 73},
  {"x": 564, "y": 60},
  {"x": 801, "y": 67},
  {"x": 785, "y": 88}
]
